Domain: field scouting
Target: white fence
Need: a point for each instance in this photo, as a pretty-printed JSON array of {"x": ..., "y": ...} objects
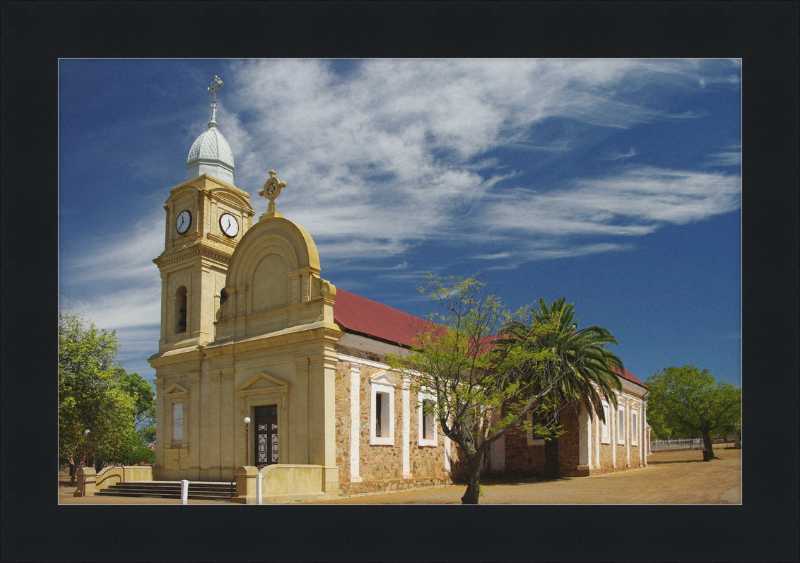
[{"x": 683, "y": 444}]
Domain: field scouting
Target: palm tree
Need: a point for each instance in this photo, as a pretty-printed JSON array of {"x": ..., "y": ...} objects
[{"x": 583, "y": 370}]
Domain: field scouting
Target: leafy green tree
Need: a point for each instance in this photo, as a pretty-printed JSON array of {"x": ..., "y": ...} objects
[
  {"x": 90, "y": 396},
  {"x": 457, "y": 360},
  {"x": 142, "y": 391},
  {"x": 579, "y": 365},
  {"x": 690, "y": 400}
]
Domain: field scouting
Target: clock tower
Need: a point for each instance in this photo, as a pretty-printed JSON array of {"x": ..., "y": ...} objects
[{"x": 206, "y": 217}]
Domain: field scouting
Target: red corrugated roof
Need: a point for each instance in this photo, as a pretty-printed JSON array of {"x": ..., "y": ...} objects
[
  {"x": 363, "y": 316},
  {"x": 629, "y": 376},
  {"x": 369, "y": 318}
]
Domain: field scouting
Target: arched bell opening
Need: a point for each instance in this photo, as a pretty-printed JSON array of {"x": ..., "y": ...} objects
[{"x": 180, "y": 310}]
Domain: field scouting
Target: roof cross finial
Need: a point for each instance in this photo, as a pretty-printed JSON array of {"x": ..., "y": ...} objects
[
  {"x": 214, "y": 88},
  {"x": 271, "y": 190}
]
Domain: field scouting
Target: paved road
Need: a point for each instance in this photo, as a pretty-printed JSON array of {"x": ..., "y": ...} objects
[{"x": 670, "y": 478}]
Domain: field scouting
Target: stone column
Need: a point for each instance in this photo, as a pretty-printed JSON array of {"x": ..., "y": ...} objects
[
  {"x": 355, "y": 421},
  {"x": 406, "y": 427}
]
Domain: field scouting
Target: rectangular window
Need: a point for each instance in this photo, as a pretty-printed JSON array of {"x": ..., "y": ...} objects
[
  {"x": 634, "y": 428},
  {"x": 426, "y": 421},
  {"x": 531, "y": 440},
  {"x": 382, "y": 415},
  {"x": 606, "y": 421},
  {"x": 177, "y": 422},
  {"x": 621, "y": 426},
  {"x": 379, "y": 413}
]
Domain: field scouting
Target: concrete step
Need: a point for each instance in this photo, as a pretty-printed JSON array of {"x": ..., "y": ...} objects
[{"x": 171, "y": 489}]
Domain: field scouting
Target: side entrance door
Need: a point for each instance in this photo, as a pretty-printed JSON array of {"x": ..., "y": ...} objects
[{"x": 266, "y": 435}]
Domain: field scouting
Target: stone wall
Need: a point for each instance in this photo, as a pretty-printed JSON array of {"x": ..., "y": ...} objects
[
  {"x": 522, "y": 458},
  {"x": 342, "y": 396},
  {"x": 381, "y": 466},
  {"x": 568, "y": 453}
]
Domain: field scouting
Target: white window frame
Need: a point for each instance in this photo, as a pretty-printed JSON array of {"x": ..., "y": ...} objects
[
  {"x": 387, "y": 414},
  {"x": 531, "y": 440},
  {"x": 421, "y": 440},
  {"x": 606, "y": 427},
  {"x": 634, "y": 429},
  {"x": 621, "y": 426}
]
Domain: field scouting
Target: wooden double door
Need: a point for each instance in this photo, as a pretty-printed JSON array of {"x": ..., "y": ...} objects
[{"x": 266, "y": 435}]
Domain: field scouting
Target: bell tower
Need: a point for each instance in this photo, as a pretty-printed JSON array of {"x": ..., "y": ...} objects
[{"x": 206, "y": 217}]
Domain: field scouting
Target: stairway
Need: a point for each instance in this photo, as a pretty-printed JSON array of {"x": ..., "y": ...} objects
[{"x": 198, "y": 490}]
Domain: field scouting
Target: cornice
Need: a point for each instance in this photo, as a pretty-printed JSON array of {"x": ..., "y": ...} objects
[
  {"x": 213, "y": 179},
  {"x": 199, "y": 248}
]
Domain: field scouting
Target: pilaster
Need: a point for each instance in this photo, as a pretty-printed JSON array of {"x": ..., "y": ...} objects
[
  {"x": 597, "y": 431},
  {"x": 355, "y": 421},
  {"x": 301, "y": 403},
  {"x": 497, "y": 448},
  {"x": 226, "y": 414},
  {"x": 160, "y": 436},
  {"x": 613, "y": 431},
  {"x": 584, "y": 440},
  {"x": 194, "y": 430},
  {"x": 628, "y": 432},
  {"x": 645, "y": 438},
  {"x": 406, "y": 399}
]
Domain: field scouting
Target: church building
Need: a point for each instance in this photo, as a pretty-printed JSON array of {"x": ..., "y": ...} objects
[{"x": 262, "y": 362}]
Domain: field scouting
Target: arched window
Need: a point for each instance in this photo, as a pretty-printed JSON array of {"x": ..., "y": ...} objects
[{"x": 180, "y": 310}]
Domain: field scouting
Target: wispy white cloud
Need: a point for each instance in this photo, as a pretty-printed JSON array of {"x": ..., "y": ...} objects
[
  {"x": 634, "y": 202},
  {"x": 496, "y": 256},
  {"x": 118, "y": 286},
  {"x": 536, "y": 251},
  {"x": 732, "y": 158},
  {"x": 395, "y": 153},
  {"x": 625, "y": 156},
  {"x": 120, "y": 257}
]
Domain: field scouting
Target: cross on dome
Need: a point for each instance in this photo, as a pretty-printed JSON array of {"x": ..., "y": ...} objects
[
  {"x": 214, "y": 88},
  {"x": 210, "y": 152}
]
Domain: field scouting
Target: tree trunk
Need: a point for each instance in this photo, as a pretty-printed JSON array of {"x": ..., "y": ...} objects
[
  {"x": 73, "y": 469},
  {"x": 473, "y": 481},
  {"x": 552, "y": 465},
  {"x": 709, "y": 444}
]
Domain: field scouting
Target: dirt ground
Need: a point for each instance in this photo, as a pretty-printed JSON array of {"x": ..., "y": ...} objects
[{"x": 676, "y": 477}]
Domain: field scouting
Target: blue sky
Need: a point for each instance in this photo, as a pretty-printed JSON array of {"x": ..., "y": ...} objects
[{"x": 615, "y": 183}]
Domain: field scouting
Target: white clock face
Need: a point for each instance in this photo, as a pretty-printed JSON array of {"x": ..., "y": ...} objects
[
  {"x": 229, "y": 225},
  {"x": 183, "y": 222}
]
